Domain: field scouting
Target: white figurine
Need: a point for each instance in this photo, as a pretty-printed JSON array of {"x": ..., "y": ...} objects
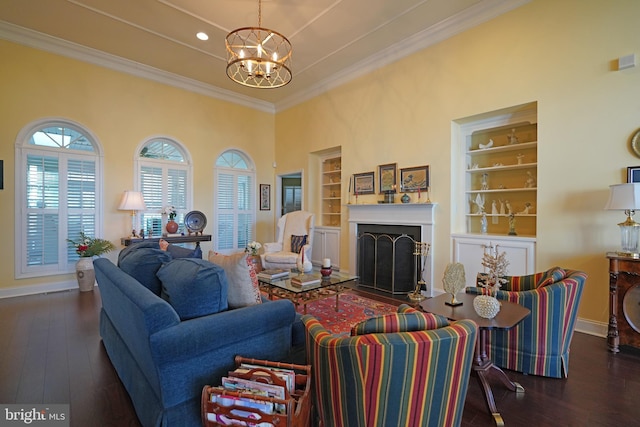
[
  {"x": 513, "y": 139},
  {"x": 530, "y": 182},
  {"x": 485, "y": 184},
  {"x": 502, "y": 209},
  {"x": 479, "y": 202},
  {"x": 520, "y": 157},
  {"x": 525, "y": 211},
  {"x": 494, "y": 212},
  {"x": 487, "y": 145},
  {"x": 483, "y": 224},
  {"x": 508, "y": 205}
]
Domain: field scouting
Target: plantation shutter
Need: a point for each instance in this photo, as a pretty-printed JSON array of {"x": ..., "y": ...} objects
[
  {"x": 177, "y": 191},
  {"x": 42, "y": 216},
  {"x": 151, "y": 188},
  {"x": 46, "y": 193},
  {"x": 235, "y": 209},
  {"x": 81, "y": 202}
]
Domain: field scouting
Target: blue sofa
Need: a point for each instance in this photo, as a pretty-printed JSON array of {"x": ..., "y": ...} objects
[{"x": 164, "y": 361}]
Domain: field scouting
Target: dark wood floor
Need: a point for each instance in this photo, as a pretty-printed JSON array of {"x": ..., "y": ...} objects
[{"x": 51, "y": 353}]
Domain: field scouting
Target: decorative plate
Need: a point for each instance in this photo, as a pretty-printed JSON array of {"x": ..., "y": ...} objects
[
  {"x": 635, "y": 143},
  {"x": 195, "y": 221}
]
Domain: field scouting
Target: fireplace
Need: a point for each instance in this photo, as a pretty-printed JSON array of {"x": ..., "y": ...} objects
[
  {"x": 382, "y": 241},
  {"x": 386, "y": 257}
]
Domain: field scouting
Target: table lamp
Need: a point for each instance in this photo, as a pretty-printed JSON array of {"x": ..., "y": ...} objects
[
  {"x": 132, "y": 201},
  {"x": 626, "y": 197}
]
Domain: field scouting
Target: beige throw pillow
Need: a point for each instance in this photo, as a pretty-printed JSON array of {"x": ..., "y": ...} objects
[{"x": 243, "y": 283}]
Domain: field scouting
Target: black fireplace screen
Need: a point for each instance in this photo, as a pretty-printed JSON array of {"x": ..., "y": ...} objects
[{"x": 386, "y": 259}]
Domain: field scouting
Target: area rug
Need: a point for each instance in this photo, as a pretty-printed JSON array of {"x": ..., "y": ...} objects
[{"x": 351, "y": 310}]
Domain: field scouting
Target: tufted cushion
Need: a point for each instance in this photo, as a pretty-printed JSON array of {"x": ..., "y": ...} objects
[
  {"x": 399, "y": 322},
  {"x": 297, "y": 242},
  {"x": 194, "y": 287},
  {"x": 142, "y": 261},
  {"x": 552, "y": 276},
  {"x": 243, "y": 281},
  {"x": 180, "y": 252}
]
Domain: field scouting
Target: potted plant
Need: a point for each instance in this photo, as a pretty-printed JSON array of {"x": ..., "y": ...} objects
[
  {"x": 252, "y": 249},
  {"x": 88, "y": 247}
]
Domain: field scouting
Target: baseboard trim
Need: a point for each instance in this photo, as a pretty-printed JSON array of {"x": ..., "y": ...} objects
[{"x": 38, "y": 289}]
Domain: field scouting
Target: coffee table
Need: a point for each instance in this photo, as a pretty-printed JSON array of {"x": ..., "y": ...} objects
[
  {"x": 335, "y": 284},
  {"x": 510, "y": 315}
]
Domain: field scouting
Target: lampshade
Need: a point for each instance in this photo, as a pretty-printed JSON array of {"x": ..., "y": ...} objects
[
  {"x": 132, "y": 201},
  {"x": 258, "y": 57},
  {"x": 626, "y": 197}
]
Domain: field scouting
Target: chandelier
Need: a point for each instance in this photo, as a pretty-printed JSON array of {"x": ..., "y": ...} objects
[{"x": 258, "y": 57}]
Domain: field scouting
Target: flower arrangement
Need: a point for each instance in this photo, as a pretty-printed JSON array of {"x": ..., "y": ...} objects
[
  {"x": 253, "y": 248},
  {"x": 171, "y": 211},
  {"x": 496, "y": 264},
  {"x": 90, "y": 246}
]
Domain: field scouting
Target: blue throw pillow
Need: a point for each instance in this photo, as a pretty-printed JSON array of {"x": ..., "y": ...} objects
[
  {"x": 297, "y": 242},
  {"x": 142, "y": 261},
  {"x": 194, "y": 287}
]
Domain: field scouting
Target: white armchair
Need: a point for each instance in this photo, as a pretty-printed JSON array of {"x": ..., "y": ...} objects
[{"x": 279, "y": 254}]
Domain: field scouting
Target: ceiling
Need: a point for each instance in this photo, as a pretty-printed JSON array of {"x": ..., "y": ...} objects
[{"x": 333, "y": 40}]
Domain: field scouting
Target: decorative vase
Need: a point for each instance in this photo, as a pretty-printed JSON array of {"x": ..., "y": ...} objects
[
  {"x": 405, "y": 198},
  {"x": 486, "y": 306},
  {"x": 85, "y": 274},
  {"x": 172, "y": 226}
]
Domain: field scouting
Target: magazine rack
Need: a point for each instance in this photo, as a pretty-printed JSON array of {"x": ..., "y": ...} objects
[{"x": 297, "y": 403}]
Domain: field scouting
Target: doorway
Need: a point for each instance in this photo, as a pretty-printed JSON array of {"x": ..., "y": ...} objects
[{"x": 290, "y": 193}]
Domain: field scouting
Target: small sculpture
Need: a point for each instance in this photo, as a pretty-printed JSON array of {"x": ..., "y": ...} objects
[
  {"x": 483, "y": 224},
  {"x": 530, "y": 182},
  {"x": 520, "y": 157},
  {"x": 513, "y": 139},
  {"x": 502, "y": 209},
  {"x": 512, "y": 225},
  {"x": 454, "y": 281},
  {"x": 525, "y": 211},
  {"x": 485, "y": 184},
  {"x": 487, "y": 145},
  {"x": 494, "y": 212},
  {"x": 479, "y": 202},
  {"x": 508, "y": 205}
]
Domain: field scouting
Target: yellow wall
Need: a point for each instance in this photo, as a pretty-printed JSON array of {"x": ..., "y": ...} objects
[
  {"x": 122, "y": 111},
  {"x": 558, "y": 53}
]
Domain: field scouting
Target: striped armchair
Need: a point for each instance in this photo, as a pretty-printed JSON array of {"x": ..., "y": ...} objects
[
  {"x": 404, "y": 369},
  {"x": 538, "y": 345}
]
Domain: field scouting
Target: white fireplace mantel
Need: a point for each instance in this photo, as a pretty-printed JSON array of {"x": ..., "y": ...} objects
[{"x": 418, "y": 214}]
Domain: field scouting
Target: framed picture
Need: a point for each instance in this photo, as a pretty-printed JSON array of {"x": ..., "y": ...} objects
[
  {"x": 633, "y": 174},
  {"x": 388, "y": 178},
  {"x": 265, "y": 197},
  {"x": 363, "y": 183},
  {"x": 414, "y": 179}
]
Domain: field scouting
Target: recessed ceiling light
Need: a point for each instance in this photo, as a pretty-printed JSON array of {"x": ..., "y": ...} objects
[{"x": 202, "y": 36}]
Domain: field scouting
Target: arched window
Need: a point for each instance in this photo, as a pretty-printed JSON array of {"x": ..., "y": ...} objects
[
  {"x": 164, "y": 178},
  {"x": 235, "y": 195},
  {"x": 58, "y": 187}
]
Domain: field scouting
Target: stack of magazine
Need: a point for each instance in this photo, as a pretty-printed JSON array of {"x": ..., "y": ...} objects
[
  {"x": 273, "y": 273},
  {"x": 260, "y": 386}
]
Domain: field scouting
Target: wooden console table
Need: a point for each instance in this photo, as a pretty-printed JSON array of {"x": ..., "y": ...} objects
[
  {"x": 126, "y": 241},
  {"x": 510, "y": 314},
  {"x": 624, "y": 300}
]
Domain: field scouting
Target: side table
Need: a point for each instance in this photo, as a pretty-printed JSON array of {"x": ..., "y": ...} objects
[
  {"x": 624, "y": 302},
  {"x": 509, "y": 316}
]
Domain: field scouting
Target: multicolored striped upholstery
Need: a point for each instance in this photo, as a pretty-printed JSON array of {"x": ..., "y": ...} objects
[
  {"x": 538, "y": 345},
  {"x": 417, "y": 378}
]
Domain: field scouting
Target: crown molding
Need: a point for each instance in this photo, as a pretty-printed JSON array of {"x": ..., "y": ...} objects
[
  {"x": 469, "y": 18},
  {"x": 37, "y": 40}
]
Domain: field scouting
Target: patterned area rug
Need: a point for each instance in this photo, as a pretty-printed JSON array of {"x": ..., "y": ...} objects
[{"x": 351, "y": 310}]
